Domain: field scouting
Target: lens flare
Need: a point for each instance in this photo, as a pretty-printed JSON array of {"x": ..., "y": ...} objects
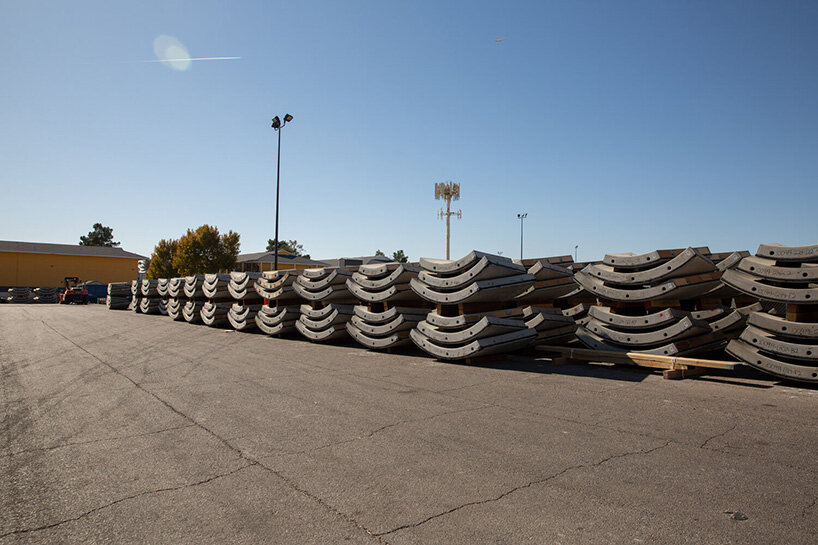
[{"x": 171, "y": 52}]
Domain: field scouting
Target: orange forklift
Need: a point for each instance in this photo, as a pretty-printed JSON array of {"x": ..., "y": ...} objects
[{"x": 73, "y": 292}]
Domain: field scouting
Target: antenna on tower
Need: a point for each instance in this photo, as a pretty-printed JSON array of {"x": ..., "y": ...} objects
[{"x": 449, "y": 191}]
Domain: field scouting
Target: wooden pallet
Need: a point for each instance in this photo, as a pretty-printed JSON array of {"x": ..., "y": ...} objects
[{"x": 672, "y": 367}]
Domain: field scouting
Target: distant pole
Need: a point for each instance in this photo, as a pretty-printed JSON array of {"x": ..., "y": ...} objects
[
  {"x": 522, "y": 216},
  {"x": 575, "y": 252},
  {"x": 277, "y": 126},
  {"x": 448, "y": 191}
]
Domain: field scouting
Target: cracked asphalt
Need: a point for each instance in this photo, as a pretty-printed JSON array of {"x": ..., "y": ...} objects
[{"x": 125, "y": 428}]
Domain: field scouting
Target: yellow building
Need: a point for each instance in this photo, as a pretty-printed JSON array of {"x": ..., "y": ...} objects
[
  {"x": 35, "y": 264},
  {"x": 263, "y": 261}
]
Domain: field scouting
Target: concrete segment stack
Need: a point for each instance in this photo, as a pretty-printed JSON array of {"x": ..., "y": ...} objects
[
  {"x": 119, "y": 296},
  {"x": 476, "y": 313},
  {"x": 20, "y": 295},
  {"x": 47, "y": 296},
  {"x": 176, "y": 298},
  {"x": 781, "y": 344},
  {"x": 329, "y": 303},
  {"x": 150, "y": 300},
  {"x": 661, "y": 302},
  {"x": 282, "y": 305},
  {"x": 247, "y": 302},
  {"x": 542, "y": 302},
  {"x": 192, "y": 311},
  {"x": 389, "y": 308},
  {"x": 216, "y": 308}
]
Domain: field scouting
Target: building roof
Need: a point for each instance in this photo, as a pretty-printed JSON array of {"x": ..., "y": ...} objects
[
  {"x": 269, "y": 257},
  {"x": 65, "y": 249},
  {"x": 354, "y": 261}
]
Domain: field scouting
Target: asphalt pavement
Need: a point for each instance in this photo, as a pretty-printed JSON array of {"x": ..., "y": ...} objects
[{"x": 124, "y": 428}]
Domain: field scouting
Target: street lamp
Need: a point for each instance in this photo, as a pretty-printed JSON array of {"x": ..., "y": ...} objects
[
  {"x": 521, "y": 217},
  {"x": 277, "y": 126},
  {"x": 575, "y": 252}
]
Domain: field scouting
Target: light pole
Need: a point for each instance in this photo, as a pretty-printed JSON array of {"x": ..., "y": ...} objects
[
  {"x": 575, "y": 252},
  {"x": 521, "y": 216},
  {"x": 277, "y": 126}
]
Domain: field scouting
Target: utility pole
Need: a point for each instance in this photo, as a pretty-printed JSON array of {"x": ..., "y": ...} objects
[
  {"x": 521, "y": 216},
  {"x": 448, "y": 191}
]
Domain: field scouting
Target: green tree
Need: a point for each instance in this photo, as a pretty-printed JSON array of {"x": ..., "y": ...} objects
[
  {"x": 378, "y": 252},
  {"x": 162, "y": 259},
  {"x": 291, "y": 247},
  {"x": 400, "y": 257},
  {"x": 206, "y": 251},
  {"x": 100, "y": 235}
]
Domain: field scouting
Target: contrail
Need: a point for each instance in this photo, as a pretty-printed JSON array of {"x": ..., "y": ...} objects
[{"x": 195, "y": 59}]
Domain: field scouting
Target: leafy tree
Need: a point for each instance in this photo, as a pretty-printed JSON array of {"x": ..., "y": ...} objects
[
  {"x": 400, "y": 257},
  {"x": 161, "y": 264},
  {"x": 100, "y": 235},
  {"x": 206, "y": 251},
  {"x": 378, "y": 252},
  {"x": 291, "y": 247}
]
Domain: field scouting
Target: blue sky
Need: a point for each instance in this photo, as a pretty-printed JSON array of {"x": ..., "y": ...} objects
[{"x": 617, "y": 126}]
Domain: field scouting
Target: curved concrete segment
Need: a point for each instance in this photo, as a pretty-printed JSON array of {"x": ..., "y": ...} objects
[
  {"x": 543, "y": 319},
  {"x": 392, "y": 294},
  {"x": 782, "y": 327},
  {"x": 193, "y": 286},
  {"x": 686, "y": 263},
  {"x": 215, "y": 286},
  {"x": 754, "y": 357},
  {"x": 768, "y": 342},
  {"x": 176, "y": 287},
  {"x": 445, "y": 267},
  {"x": 338, "y": 292},
  {"x": 242, "y": 286},
  {"x": 780, "y": 252},
  {"x": 329, "y": 334},
  {"x": 162, "y": 285},
  {"x": 390, "y": 314},
  {"x": 692, "y": 346},
  {"x": 682, "y": 329},
  {"x": 657, "y": 319},
  {"x": 215, "y": 314},
  {"x": 175, "y": 307},
  {"x": 243, "y": 316},
  {"x": 399, "y": 323},
  {"x": 384, "y": 275},
  {"x": 192, "y": 311},
  {"x": 634, "y": 261},
  {"x": 768, "y": 270},
  {"x": 117, "y": 303},
  {"x": 277, "y": 320},
  {"x": 330, "y": 277},
  {"x": 149, "y": 305},
  {"x": 466, "y": 320},
  {"x": 730, "y": 261},
  {"x": 543, "y": 291},
  {"x": 136, "y": 304},
  {"x": 487, "y": 326},
  {"x": 499, "y": 344},
  {"x": 676, "y": 288},
  {"x": 321, "y": 313},
  {"x": 336, "y": 316},
  {"x": 751, "y": 285},
  {"x": 485, "y": 268},
  {"x": 378, "y": 343},
  {"x": 119, "y": 295},
  {"x": 498, "y": 290},
  {"x": 543, "y": 270},
  {"x": 148, "y": 288}
]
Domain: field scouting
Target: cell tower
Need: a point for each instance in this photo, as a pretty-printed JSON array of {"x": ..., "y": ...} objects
[{"x": 448, "y": 191}]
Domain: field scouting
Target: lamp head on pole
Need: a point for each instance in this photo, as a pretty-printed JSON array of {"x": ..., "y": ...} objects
[
  {"x": 288, "y": 118},
  {"x": 522, "y": 216},
  {"x": 276, "y": 123}
]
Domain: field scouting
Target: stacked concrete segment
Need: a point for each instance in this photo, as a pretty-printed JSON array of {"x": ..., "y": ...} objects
[
  {"x": 476, "y": 313},
  {"x": 329, "y": 303},
  {"x": 553, "y": 289},
  {"x": 247, "y": 301},
  {"x": 782, "y": 345},
  {"x": 119, "y": 296},
  {"x": 389, "y": 309},
  {"x": 48, "y": 295},
  {"x": 176, "y": 298},
  {"x": 282, "y": 305},
  {"x": 195, "y": 298},
  {"x": 20, "y": 295},
  {"x": 661, "y": 302},
  {"x": 216, "y": 308},
  {"x": 150, "y": 301}
]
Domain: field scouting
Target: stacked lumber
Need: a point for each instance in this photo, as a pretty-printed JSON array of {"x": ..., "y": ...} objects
[
  {"x": 662, "y": 302},
  {"x": 329, "y": 303},
  {"x": 781, "y": 344},
  {"x": 388, "y": 308},
  {"x": 247, "y": 302},
  {"x": 194, "y": 292},
  {"x": 119, "y": 295},
  {"x": 476, "y": 313},
  {"x": 47, "y": 295},
  {"x": 282, "y": 305},
  {"x": 20, "y": 295}
]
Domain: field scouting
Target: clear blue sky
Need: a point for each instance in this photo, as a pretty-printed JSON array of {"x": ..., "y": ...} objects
[{"x": 618, "y": 126}]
